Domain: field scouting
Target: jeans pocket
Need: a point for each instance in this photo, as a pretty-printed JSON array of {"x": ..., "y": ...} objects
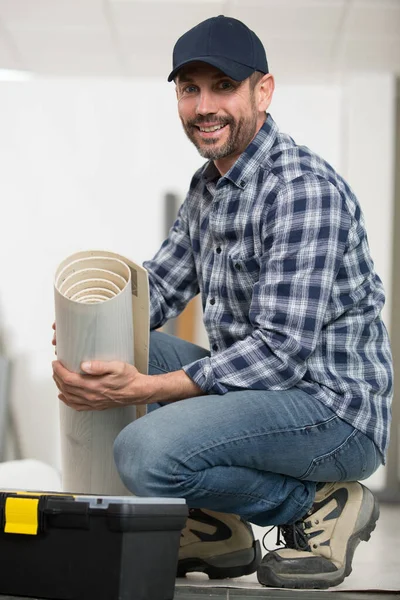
[{"x": 355, "y": 458}]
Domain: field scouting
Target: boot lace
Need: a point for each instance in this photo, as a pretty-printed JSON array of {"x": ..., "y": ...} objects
[{"x": 293, "y": 536}]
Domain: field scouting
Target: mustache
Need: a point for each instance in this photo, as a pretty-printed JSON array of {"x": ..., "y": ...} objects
[{"x": 209, "y": 120}]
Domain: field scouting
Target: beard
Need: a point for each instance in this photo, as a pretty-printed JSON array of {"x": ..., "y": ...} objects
[{"x": 241, "y": 133}]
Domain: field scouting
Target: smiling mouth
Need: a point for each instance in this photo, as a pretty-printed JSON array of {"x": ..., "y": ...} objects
[{"x": 210, "y": 129}]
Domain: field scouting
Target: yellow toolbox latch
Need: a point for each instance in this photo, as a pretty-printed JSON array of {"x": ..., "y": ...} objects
[{"x": 21, "y": 515}]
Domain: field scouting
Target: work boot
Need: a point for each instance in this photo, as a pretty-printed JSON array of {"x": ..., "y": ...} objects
[
  {"x": 320, "y": 547},
  {"x": 219, "y": 544}
]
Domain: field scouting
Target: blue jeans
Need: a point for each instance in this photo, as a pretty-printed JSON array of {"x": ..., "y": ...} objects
[{"x": 255, "y": 453}]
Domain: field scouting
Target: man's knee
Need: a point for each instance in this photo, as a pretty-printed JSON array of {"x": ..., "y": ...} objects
[{"x": 137, "y": 454}]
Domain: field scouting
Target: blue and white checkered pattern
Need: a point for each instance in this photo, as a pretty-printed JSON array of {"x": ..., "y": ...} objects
[{"x": 278, "y": 251}]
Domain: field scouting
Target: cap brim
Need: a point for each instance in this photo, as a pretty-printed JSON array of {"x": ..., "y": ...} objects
[{"x": 234, "y": 70}]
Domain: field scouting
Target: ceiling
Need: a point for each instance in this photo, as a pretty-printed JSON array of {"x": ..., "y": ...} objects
[{"x": 305, "y": 39}]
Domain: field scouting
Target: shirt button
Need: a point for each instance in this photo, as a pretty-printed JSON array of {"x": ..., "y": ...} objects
[
  {"x": 215, "y": 347},
  {"x": 212, "y": 301},
  {"x": 238, "y": 266},
  {"x": 218, "y": 250}
]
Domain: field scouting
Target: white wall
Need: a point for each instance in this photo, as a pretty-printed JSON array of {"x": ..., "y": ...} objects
[
  {"x": 311, "y": 115},
  {"x": 85, "y": 165},
  {"x": 369, "y": 126}
]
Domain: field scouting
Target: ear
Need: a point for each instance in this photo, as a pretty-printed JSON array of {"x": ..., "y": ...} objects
[{"x": 265, "y": 88}]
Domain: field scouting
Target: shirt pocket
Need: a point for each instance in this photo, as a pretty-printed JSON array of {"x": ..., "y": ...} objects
[{"x": 243, "y": 274}]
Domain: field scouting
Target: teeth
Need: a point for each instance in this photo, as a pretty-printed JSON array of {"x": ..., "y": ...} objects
[{"x": 209, "y": 129}]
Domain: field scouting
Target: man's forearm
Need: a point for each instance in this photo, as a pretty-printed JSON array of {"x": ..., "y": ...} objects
[{"x": 170, "y": 387}]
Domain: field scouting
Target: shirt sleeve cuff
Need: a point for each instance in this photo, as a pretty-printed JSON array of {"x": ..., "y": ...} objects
[{"x": 201, "y": 372}]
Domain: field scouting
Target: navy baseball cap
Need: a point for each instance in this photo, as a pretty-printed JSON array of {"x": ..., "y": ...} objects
[{"x": 223, "y": 42}]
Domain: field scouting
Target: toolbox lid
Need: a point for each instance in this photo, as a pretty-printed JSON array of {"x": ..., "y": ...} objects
[
  {"x": 99, "y": 501},
  {"x": 28, "y": 512},
  {"x": 94, "y": 500}
]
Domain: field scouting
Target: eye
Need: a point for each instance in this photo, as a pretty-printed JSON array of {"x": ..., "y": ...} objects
[
  {"x": 189, "y": 89},
  {"x": 225, "y": 85}
]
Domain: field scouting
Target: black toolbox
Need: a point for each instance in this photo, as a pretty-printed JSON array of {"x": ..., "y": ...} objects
[{"x": 78, "y": 547}]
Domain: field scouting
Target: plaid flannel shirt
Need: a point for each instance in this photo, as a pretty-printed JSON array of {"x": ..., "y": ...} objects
[{"x": 278, "y": 251}]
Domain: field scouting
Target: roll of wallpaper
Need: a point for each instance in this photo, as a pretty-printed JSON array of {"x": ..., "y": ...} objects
[{"x": 102, "y": 313}]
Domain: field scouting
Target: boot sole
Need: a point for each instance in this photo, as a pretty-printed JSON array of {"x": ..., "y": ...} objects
[
  {"x": 225, "y": 566},
  {"x": 322, "y": 581}
]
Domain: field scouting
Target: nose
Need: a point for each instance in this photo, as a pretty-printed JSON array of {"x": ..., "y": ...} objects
[{"x": 206, "y": 103}]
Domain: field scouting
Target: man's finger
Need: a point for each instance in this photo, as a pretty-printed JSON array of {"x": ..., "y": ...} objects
[
  {"x": 57, "y": 382},
  {"x": 66, "y": 376},
  {"x": 75, "y": 402},
  {"x": 101, "y": 367},
  {"x": 58, "y": 368},
  {"x": 85, "y": 388}
]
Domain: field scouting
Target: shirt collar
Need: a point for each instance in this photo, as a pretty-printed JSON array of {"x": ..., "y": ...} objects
[
  {"x": 255, "y": 153},
  {"x": 210, "y": 172}
]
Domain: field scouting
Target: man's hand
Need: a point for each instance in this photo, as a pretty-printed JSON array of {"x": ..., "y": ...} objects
[{"x": 104, "y": 385}]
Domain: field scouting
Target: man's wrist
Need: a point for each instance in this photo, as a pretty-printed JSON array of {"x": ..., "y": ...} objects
[{"x": 170, "y": 387}]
